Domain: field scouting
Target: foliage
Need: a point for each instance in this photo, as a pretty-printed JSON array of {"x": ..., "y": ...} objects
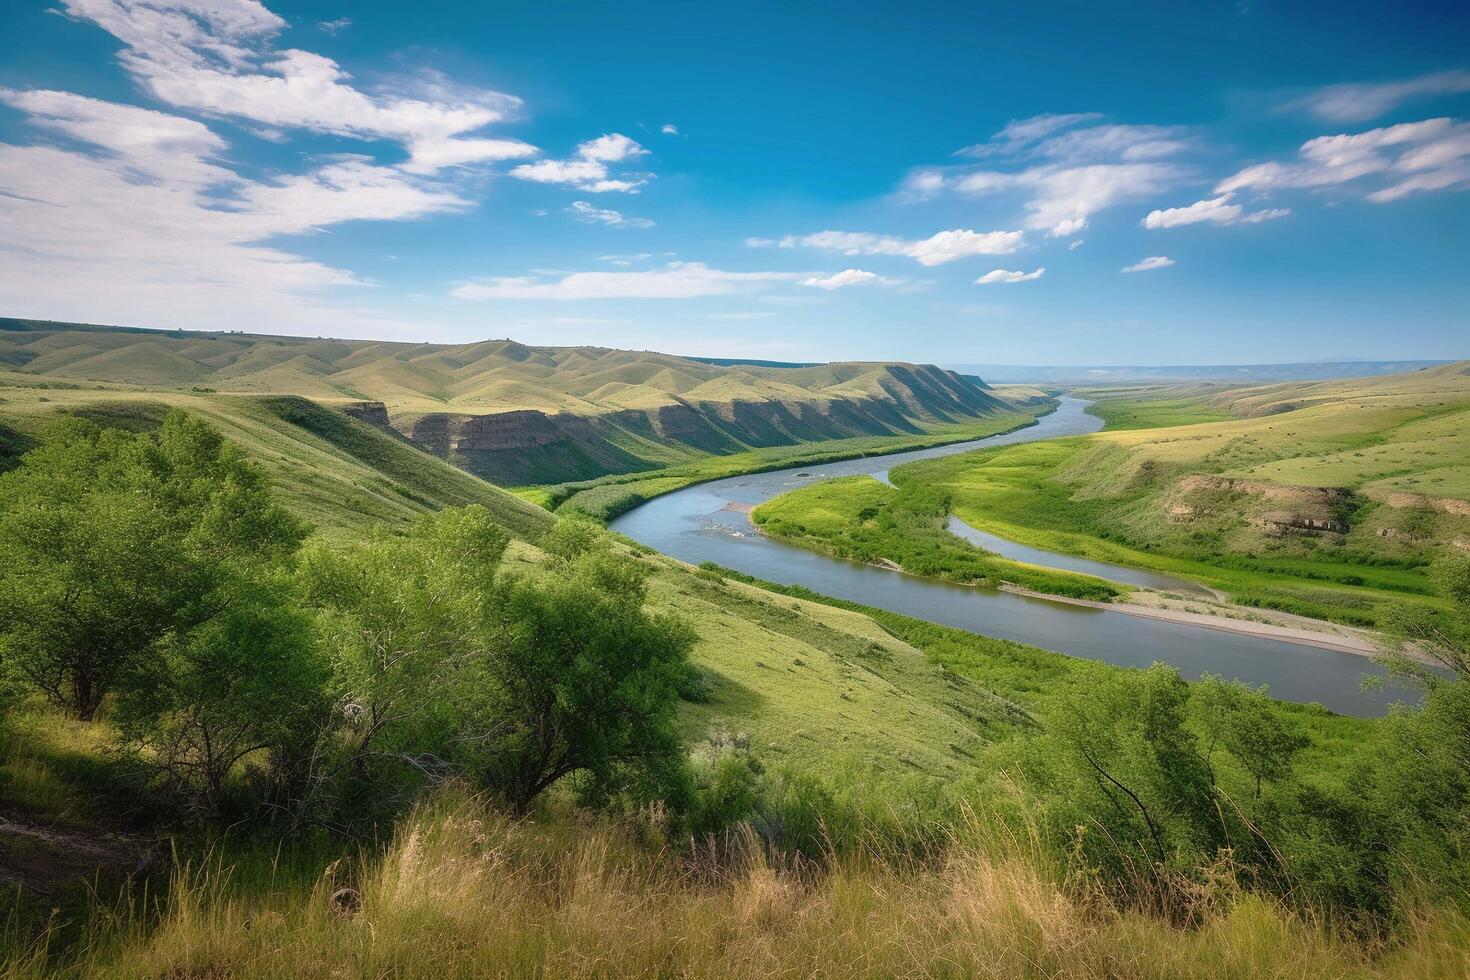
[
  {"x": 112, "y": 544},
  {"x": 860, "y": 518},
  {"x": 583, "y": 680}
]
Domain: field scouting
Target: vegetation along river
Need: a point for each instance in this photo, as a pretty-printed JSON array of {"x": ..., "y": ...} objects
[{"x": 710, "y": 522}]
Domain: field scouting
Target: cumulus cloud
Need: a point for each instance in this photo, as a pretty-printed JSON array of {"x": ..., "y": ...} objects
[
  {"x": 1430, "y": 155},
  {"x": 937, "y": 249},
  {"x": 677, "y": 280},
  {"x": 1152, "y": 262},
  {"x": 588, "y": 170},
  {"x": 849, "y": 277},
  {"x": 669, "y": 129},
  {"x": 217, "y": 57},
  {"x": 1359, "y": 102},
  {"x": 1006, "y": 275},
  {"x": 584, "y": 211}
]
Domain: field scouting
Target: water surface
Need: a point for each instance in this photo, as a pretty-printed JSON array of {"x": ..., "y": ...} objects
[{"x": 710, "y": 522}]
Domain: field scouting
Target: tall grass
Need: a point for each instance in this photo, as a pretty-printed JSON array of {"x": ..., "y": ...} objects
[{"x": 463, "y": 891}]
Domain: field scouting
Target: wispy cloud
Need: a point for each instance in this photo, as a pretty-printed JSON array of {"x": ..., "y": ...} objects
[
  {"x": 1412, "y": 157},
  {"x": 584, "y": 211},
  {"x": 1152, "y": 262},
  {"x": 1006, "y": 275},
  {"x": 850, "y": 277},
  {"x": 1073, "y": 170},
  {"x": 1222, "y": 210},
  {"x": 1361, "y": 101},
  {"x": 937, "y": 249},
  {"x": 334, "y": 26},
  {"x": 588, "y": 170},
  {"x": 218, "y": 58},
  {"x": 677, "y": 280},
  {"x": 146, "y": 222}
]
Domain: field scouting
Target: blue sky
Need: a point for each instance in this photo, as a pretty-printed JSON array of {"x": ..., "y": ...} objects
[{"x": 1062, "y": 184}]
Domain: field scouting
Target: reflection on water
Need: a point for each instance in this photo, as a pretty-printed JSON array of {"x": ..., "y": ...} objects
[{"x": 710, "y": 522}]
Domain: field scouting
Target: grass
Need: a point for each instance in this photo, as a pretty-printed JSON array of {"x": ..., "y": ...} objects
[
  {"x": 1117, "y": 496},
  {"x": 863, "y": 519},
  {"x": 462, "y": 891},
  {"x": 337, "y": 472},
  {"x": 1149, "y": 410},
  {"x": 609, "y": 497},
  {"x": 579, "y": 412}
]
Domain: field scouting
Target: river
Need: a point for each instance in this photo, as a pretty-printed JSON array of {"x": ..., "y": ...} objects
[{"x": 710, "y": 522}]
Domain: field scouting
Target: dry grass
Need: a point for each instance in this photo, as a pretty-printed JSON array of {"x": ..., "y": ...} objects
[{"x": 463, "y": 892}]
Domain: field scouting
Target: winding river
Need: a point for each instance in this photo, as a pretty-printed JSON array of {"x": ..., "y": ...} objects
[{"x": 710, "y": 522}]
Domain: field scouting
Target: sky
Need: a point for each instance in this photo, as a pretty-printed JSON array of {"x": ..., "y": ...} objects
[{"x": 1224, "y": 181}]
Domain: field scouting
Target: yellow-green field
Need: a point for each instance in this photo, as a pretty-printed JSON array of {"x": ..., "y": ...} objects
[{"x": 1385, "y": 462}]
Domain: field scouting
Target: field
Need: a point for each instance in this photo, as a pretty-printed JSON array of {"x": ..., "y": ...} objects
[
  {"x": 525, "y": 416},
  {"x": 916, "y": 797},
  {"x": 865, "y": 520},
  {"x": 1329, "y": 500}
]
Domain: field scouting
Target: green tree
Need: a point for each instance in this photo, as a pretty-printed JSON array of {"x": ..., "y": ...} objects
[
  {"x": 1243, "y": 721},
  {"x": 113, "y": 543},
  {"x": 583, "y": 680},
  {"x": 246, "y": 684},
  {"x": 406, "y": 620}
]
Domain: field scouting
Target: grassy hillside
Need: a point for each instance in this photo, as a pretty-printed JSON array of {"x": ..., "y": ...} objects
[
  {"x": 520, "y": 415},
  {"x": 336, "y": 471},
  {"x": 1328, "y": 499}
]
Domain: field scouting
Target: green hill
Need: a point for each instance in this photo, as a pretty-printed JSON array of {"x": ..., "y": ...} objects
[
  {"x": 521, "y": 415},
  {"x": 1325, "y": 498}
]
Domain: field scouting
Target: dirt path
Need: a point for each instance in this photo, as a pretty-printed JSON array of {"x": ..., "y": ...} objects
[{"x": 47, "y": 859}]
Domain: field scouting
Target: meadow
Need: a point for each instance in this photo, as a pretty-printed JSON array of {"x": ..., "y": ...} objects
[
  {"x": 1379, "y": 461},
  {"x": 853, "y": 792}
]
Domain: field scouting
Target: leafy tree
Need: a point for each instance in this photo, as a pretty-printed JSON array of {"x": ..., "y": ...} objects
[
  {"x": 113, "y": 543},
  {"x": 405, "y": 620},
  {"x": 1442, "y": 636},
  {"x": 247, "y": 683},
  {"x": 583, "y": 680},
  {"x": 1133, "y": 771},
  {"x": 1243, "y": 721}
]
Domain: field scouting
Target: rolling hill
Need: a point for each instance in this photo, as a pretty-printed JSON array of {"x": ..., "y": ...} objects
[{"x": 516, "y": 414}]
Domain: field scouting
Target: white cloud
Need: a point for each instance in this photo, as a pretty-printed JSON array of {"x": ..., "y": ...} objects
[
  {"x": 669, "y": 129},
  {"x": 588, "y": 169},
  {"x": 1076, "y": 170},
  {"x": 216, "y": 56},
  {"x": 625, "y": 260},
  {"x": 749, "y": 315},
  {"x": 937, "y": 249},
  {"x": 849, "y": 277},
  {"x": 1021, "y": 133},
  {"x": 677, "y": 280},
  {"x": 1152, "y": 262},
  {"x": 1269, "y": 214},
  {"x": 1421, "y": 156},
  {"x": 1359, "y": 102},
  {"x": 1006, "y": 275},
  {"x": 1075, "y": 245},
  {"x": 147, "y": 224},
  {"x": 334, "y": 26},
  {"x": 1218, "y": 210},
  {"x": 584, "y": 211}
]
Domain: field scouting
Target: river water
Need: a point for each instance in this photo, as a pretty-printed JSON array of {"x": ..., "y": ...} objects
[{"x": 710, "y": 522}]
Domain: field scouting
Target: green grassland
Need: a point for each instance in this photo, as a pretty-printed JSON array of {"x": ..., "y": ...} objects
[
  {"x": 1152, "y": 407},
  {"x": 889, "y": 735},
  {"x": 524, "y": 416},
  {"x": 863, "y": 519},
  {"x": 1392, "y": 450},
  {"x": 606, "y": 498}
]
